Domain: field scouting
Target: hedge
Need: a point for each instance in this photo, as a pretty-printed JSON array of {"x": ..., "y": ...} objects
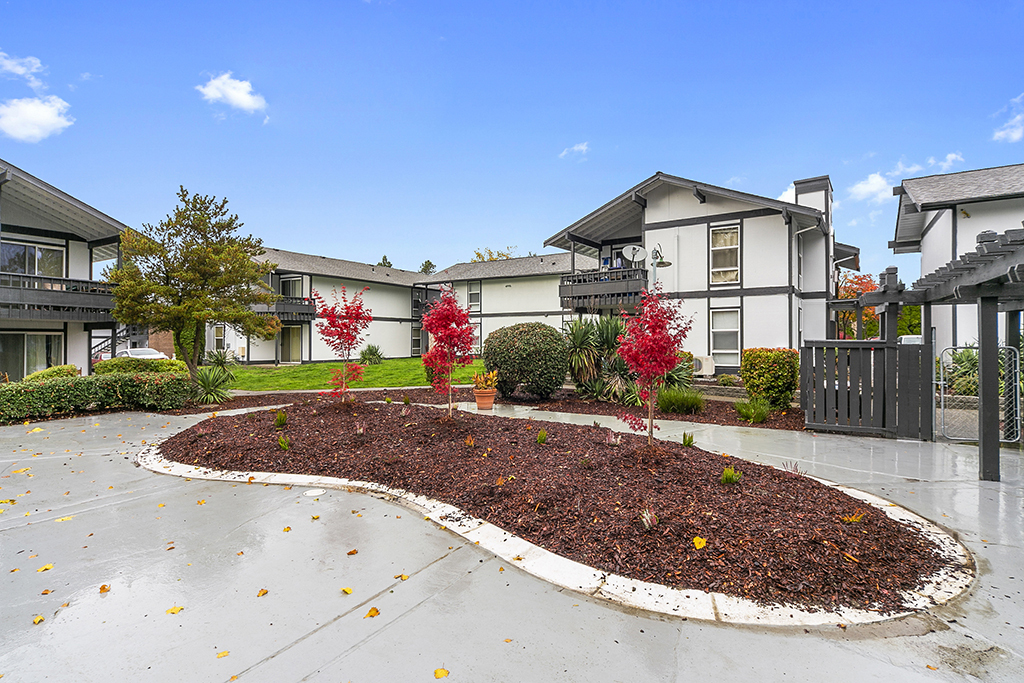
[
  {"x": 771, "y": 374},
  {"x": 53, "y": 371},
  {"x": 71, "y": 395},
  {"x": 136, "y": 365},
  {"x": 533, "y": 355}
]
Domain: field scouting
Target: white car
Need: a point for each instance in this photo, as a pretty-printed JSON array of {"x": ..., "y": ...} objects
[{"x": 148, "y": 354}]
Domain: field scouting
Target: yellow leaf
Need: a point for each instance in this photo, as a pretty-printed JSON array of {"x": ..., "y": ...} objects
[
  {"x": 501, "y": 569},
  {"x": 15, "y": 570},
  {"x": 352, "y": 552},
  {"x": 440, "y": 673},
  {"x": 23, "y": 469},
  {"x": 372, "y": 613},
  {"x": 346, "y": 590},
  {"x": 46, "y": 592},
  {"x": 263, "y": 591},
  {"x": 222, "y": 655},
  {"x": 39, "y": 619},
  {"x": 64, "y": 519},
  {"x": 175, "y": 610},
  {"x": 517, "y": 558},
  {"x": 933, "y": 668},
  {"x": 105, "y": 588},
  {"x": 240, "y": 552},
  {"x": 403, "y": 577},
  {"x": 316, "y": 516},
  {"x": 287, "y": 528},
  {"x": 287, "y": 488},
  {"x": 160, "y": 505},
  {"x": 250, "y": 480},
  {"x": 201, "y": 502},
  {"x": 45, "y": 568},
  {"x": 65, "y": 604},
  {"x": 358, "y": 515},
  {"x": 37, "y": 429},
  {"x": 508, "y": 640},
  {"x": 699, "y": 542}
]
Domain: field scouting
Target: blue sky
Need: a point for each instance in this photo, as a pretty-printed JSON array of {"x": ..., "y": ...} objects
[{"x": 429, "y": 129}]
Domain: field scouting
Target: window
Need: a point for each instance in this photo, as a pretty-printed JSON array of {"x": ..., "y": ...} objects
[
  {"x": 474, "y": 296},
  {"x": 725, "y": 337},
  {"x": 22, "y": 354},
  {"x": 725, "y": 255},
  {"x": 417, "y": 339},
  {"x": 291, "y": 287},
  {"x": 478, "y": 337},
  {"x": 29, "y": 259},
  {"x": 218, "y": 337}
]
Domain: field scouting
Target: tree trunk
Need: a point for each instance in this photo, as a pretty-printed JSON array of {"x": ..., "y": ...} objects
[
  {"x": 650, "y": 418},
  {"x": 187, "y": 358},
  {"x": 200, "y": 331}
]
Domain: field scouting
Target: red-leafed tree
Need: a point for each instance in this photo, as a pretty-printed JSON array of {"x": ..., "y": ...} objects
[
  {"x": 341, "y": 326},
  {"x": 852, "y": 287},
  {"x": 650, "y": 348},
  {"x": 451, "y": 341}
]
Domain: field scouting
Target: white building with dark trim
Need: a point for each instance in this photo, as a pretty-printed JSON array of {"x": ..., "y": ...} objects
[
  {"x": 49, "y": 299},
  {"x": 752, "y": 271},
  {"x": 941, "y": 216}
]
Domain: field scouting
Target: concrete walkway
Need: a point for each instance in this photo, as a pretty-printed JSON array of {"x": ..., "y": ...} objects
[{"x": 100, "y": 520}]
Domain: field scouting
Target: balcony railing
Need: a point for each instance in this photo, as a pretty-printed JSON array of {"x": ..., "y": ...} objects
[
  {"x": 38, "y": 297},
  {"x": 290, "y": 308},
  {"x": 613, "y": 288}
]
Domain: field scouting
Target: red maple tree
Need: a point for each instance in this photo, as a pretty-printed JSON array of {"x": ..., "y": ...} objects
[
  {"x": 852, "y": 287},
  {"x": 451, "y": 341},
  {"x": 650, "y": 348},
  {"x": 341, "y": 326}
]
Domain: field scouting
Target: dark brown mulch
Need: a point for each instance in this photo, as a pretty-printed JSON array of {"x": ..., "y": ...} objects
[{"x": 775, "y": 537}]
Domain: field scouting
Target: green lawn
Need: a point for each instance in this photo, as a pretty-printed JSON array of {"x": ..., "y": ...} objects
[{"x": 396, "y": 372}]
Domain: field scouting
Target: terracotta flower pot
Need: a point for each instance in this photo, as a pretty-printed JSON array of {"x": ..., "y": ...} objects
[{"x": 484, "y": 398}]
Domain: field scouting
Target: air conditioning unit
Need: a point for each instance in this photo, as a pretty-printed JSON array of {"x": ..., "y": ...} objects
[{"x": 703, "y": 366}]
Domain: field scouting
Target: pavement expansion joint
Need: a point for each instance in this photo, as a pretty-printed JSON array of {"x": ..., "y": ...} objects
[{"x": 937, "y": 589}]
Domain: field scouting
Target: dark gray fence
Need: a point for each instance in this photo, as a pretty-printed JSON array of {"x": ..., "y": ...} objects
[{"x": 867, "y": 387}]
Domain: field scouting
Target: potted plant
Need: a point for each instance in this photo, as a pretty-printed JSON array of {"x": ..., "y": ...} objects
[{"x": 485, "y": 386}]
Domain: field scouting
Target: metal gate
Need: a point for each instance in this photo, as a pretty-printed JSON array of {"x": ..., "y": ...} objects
[{"x": 958, "y": 393}]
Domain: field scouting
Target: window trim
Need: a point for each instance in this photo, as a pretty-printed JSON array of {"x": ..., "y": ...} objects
[
  {"x": 738, "y": 351},
  {"x": 711, "y": 255},
  {"x": 44, "y": 245}
]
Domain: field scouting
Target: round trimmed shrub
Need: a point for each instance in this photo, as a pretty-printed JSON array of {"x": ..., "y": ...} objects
[
  {"x": 134, "y": 365},
  {"x": 533, "y": 355},
  {"x": 54, "y": 371},
  {"x": 771, "y": 374}
]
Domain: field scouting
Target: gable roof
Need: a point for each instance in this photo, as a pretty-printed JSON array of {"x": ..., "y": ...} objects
[
  {"x": 308, "y": 264},
  {"x": 928, "y": 193},
  {"x": 524, "y": 266},
  {"x": 627, "y": 210},
  {"x": 36, "y": 204}
]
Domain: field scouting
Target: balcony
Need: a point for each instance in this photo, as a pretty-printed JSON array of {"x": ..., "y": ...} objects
[
  {"x": 290, "y": 309},
  {"x": 37, "y": 297},
  {"x": 615, "y": 288}
]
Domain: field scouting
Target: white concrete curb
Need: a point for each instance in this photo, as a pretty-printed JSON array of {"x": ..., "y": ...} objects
[{"x": 939, "y": 588}]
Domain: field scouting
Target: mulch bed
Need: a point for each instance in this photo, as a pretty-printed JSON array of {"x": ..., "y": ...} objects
[{"x": 775, "y": 537}]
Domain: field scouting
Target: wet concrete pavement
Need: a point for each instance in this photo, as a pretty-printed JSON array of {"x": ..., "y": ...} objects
[{"x": 98, "y": 519}]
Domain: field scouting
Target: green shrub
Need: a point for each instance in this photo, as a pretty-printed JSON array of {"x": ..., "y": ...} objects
[
  {"x": 137, "y": 365},
  {"x": 771, "y": 374},
  {"x": 753, "y": 411},
  {"x": 728, "y": 380},
  {"x": 685, "y": 401},
  {"x": 223, "y": 359},
  {"x": 681, "y": 376},
  {"x": 731, "y": 476},
  {"x": 584, "y": 355},
  {"x": 211, "y": 385},
  {"x": 533, "y": 355},
  {"x": 54, "y": 371},
  {"x": 70, "y": 395},
  {"x": 371, "y": 355}
]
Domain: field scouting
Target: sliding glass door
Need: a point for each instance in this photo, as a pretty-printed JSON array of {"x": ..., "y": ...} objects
[{"x": 23, "y": 353}]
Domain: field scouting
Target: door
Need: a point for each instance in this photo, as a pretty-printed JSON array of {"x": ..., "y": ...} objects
[{"x": 291, "y": 344}]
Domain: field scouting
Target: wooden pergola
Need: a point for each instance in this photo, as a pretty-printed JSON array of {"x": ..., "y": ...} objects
[{"x": 993, "y": 278}]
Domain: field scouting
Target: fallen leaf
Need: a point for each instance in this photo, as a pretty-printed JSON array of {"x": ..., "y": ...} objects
[
  {"x": 201, "y": 502},
  {"x": 517, "y": 558},
  {"x": 37, "y": 429},
  {"x": 46, "y": 592},
  {"x": 160, "y": 505},
  {"x": 699, "y": 542},
  {"x": 372, "y": 613},
  {"x": 352, "y": 552},
  {"x": 45, "y": 568},
  {"x": 316, "y": 516},
  {"x": 346, "y": 590},
  {"x": 501, "y": 569},
  {"x": 23, "y": 469},
  {"x": 508, "y": 640},
  {"x": 170, "y": 547},
  {"x": 222, "y": 655},
  {"x": 39, "y": 619},
  {"x": 440, "y": 673},
  {"x": 64, "y": 519},
  {"x": 356, "y": 515},
  {"x": 263, "y": 591},
  {"x": 105, "y": 588},
  {"x": 403, "y": 577},
  {"x": 15, "y": 570},
  {"x": 240, "y": 553},
  {"x": 251, "y": 479},
  {"x": 287, "y": 528},
  {"x": 65, "y": 604},
  {"x": 175, "y": 610},
  {"x": 933, "y": 668}
]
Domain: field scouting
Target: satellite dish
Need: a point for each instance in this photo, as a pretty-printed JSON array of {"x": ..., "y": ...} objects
[{"x": 634, "y": 252}]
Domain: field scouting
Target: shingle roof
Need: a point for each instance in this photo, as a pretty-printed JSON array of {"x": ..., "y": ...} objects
[
  {"x": 333, "y": 267},
  {"x": 546, "y": 264},
  {"x": 959, "y": 188}
]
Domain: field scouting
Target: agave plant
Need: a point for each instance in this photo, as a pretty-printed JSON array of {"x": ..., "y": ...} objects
[
  {"x": 222, "y": 359},
  {"x": 608, "y": 332},
  {"x": 584, "y": 359},
  {"x": 211, "y": 385}
]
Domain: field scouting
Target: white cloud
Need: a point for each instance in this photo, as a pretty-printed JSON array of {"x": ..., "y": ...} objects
[
  {"x": 875, "y": 187},
  {"x": 901, "y": 169},
  {"x": 1012, "y": 130},
  {"x": 948, "y": 162},
  {"x": 874, "y": 214},
  {"x": 789, "y": 195},
  {"x": 34, "y": 118},
  {"x": 25, "y": 67},
  {"x": 735, "y": 180},
  {"x": 232, "y": 92},
  {"x": 580, "y": 148},
  {"x": 853, "y": 223}
]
